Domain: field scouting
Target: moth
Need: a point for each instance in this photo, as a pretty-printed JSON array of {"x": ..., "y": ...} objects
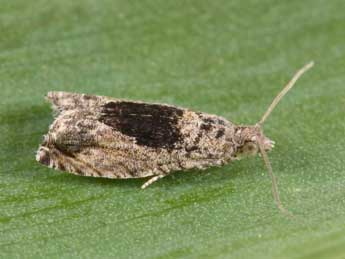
[{"x": 101, "y": 136}]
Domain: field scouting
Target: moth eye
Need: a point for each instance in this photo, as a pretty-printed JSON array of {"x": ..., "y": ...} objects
[{"x": 250, "y": 147}]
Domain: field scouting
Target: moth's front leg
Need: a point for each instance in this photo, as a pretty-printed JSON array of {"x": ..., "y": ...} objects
[
  {"x": 152, "y": 180},
  {"x": 158, "y": 173}
]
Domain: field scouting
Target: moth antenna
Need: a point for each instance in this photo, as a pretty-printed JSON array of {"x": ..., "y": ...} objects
[
  {"x": 275, "y": 192},
  {"x": 289, "y": 85}
]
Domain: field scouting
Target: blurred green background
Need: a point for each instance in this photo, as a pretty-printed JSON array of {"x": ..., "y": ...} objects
[{"x": 224, "y": 57}]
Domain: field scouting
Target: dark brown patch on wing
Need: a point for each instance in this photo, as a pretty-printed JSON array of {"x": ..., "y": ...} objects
[
  {"x": 206, "y": 127},
  {"x": 197, "y": 139},
  {"x": 152, "y": 125},
  {"x": 66, "y": 150},
  {"x": 90, "y": 97},
  {"x": 220, "y": 133},
  {"x": 209, "y": 121},
  {"x": 192, "y": 148},
  {"x": 221, "y": 122}
]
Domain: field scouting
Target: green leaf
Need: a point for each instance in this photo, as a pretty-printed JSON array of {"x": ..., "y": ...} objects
[{"x": 224, "y": 57}]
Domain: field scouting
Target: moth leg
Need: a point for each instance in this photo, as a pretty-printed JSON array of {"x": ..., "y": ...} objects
[{"x": 152, "y": 180}]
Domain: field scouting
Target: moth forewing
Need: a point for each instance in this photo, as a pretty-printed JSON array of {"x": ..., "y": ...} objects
[{"x": 105, "y": 137}]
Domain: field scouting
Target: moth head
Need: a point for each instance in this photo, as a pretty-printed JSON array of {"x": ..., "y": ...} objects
[{"x": 248, "y": 140}]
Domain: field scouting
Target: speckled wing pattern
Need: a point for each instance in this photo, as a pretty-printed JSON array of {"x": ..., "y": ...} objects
[{"x": 105, "y": 137}]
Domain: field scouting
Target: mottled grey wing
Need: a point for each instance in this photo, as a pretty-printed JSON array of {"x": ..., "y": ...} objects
[{"x": 105, "y": 137}]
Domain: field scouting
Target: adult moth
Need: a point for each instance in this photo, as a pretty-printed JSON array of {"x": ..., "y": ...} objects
[{"x": 100, "y": 136}]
